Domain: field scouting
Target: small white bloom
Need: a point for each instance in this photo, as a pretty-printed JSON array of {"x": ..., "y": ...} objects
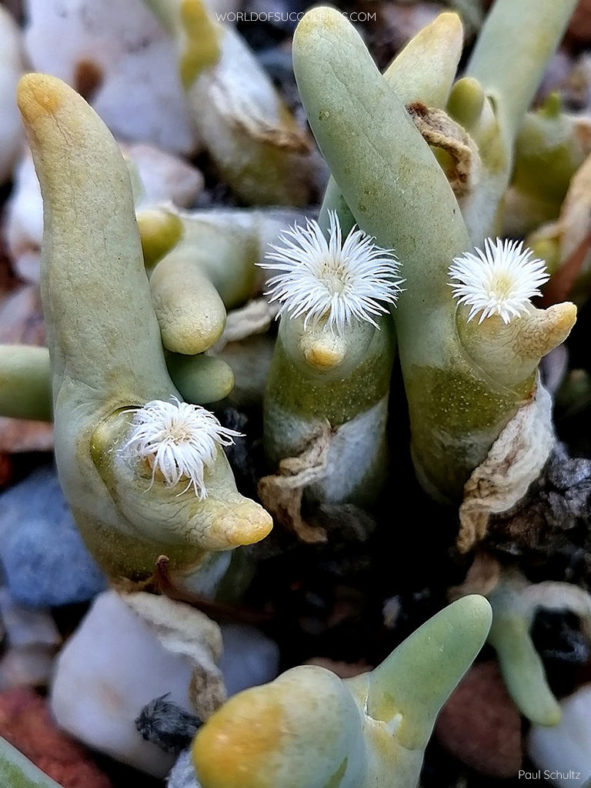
[
  {"x": 331, "y": 279},
  {"x": 500, "y": 280},
  {"x": 179, "y": 440}
]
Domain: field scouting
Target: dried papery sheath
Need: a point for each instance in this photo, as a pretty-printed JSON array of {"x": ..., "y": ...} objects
[
  {"x": 499, "y": 280},
  {"x": 179, "y": 440},
  {"x": 331, "y": 279}
]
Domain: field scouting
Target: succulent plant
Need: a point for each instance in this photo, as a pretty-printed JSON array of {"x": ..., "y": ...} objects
[
  {"x": 408, "y": 255},
  {"x": 549, "y": 149},
  {"x": 514, "y": 602},
  {"x": 336, "y": 347},
  {"x": 333, "y": 357},
  {"x": 465, "y": 380},
  {"x": 309, "y": 727},
  {"x": 250, "y": 133},
  {"x": 144, "y": 474}
]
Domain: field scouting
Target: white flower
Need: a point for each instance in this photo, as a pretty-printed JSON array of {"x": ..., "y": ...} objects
[
  {"x": 499, "y": 280},
  {"x": 179, "y": 440},
  {"x": 330, "y": 279}
]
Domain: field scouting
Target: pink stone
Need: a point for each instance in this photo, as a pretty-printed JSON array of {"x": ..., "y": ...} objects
[
  {"x": 481, "y": 725},
  {"x": 26, "y": 723}
]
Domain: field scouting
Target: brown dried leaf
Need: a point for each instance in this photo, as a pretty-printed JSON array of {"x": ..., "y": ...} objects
[
  {"x": 514, "y": 461},
  {"x": 282, "y": 493},
  {"x": 482, "y": 577},
  {"x": 443, "y": 133}
]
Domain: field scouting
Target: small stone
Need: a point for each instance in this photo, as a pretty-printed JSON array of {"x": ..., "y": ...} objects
[
  {"x": 24, "y": 627},
  {"x": 21, "y": 317},
  {"x": 554, "y": 368},
  {"x": 249, "y": 657},
  {"x": 122, "y": 58},
  {"x": 11, "y": 68},
  {"x": 391, "y": 610},
  {"x": 163, "y": 648},
  {"x": 282, "y": 14},
  {"x": 44, "y": 558},
  {"x": 26, "y": 667},
  {"x": 557, "y": 637},
  {"x": 25, "y": 722},
  {"x": 480, "y": 725},
  {"x": 15, "y": 7},
  {"x": 565, "y": 748},
  {"x": 118, "y": 661},
  {"x": 164, "y": 177},
  {"x": 31, "y": 640},
  {"x": 19, "y": 435},
  {"x": 556, "y": 75},
  {"x": 24, "y": 221}
]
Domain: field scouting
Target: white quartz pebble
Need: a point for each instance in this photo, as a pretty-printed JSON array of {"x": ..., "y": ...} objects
[
  {"x": 123, "y": 50},
  {"x": 563, "y": 752},
  {"x": 133, "y": 648},
  {"x": 116, "y": 663}
]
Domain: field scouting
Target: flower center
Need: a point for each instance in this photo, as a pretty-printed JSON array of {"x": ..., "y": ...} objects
[
  {"x": 333, "y": 276},
  {"x": 178, "y": 432},
  {"x": 503, "y": 286}
]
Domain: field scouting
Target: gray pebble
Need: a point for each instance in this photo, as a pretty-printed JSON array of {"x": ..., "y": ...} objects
[{"x": 44, "y": 560}]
